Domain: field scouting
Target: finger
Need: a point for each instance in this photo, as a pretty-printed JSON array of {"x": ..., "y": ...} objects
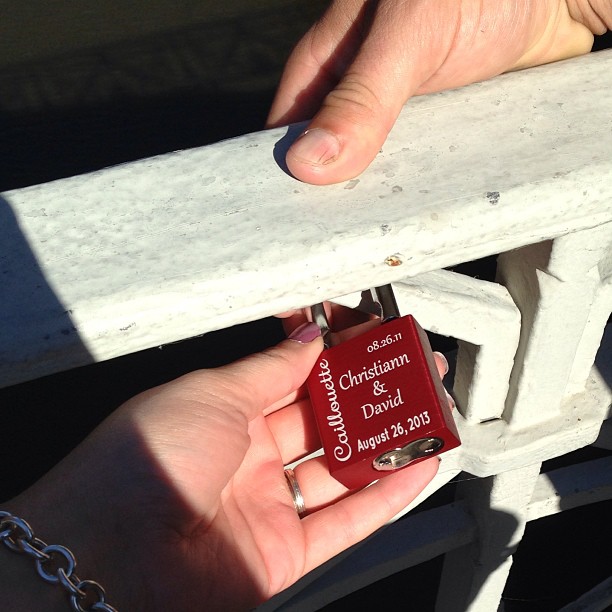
[
  {"x": 318, "y": 61},
  {"x": 341, "y": 525},
  {"x": 299, "y": 317},
  {"x": 441, "y": 363},
  {"x": 256, "y": 382},
  {"x": 319, "y": 488},
  {"x": 339, "y": 316},
  {"x": 295, "y": 431},
  {"x": 356, "y": 116},
  {"x": 443, "y": 368},
  {"x": 293, "y": 397}
]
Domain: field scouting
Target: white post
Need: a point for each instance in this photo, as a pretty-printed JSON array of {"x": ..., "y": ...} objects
[{"x": 556, "y": 285}]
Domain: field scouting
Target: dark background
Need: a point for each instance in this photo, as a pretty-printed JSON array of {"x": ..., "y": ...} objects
[{"x": 82, "y": 89}]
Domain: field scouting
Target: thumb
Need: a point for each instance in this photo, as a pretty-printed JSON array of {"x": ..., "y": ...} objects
[
  {"x": 356, "y": 116},
  {"x": 347, "y": 132},
  {"x": 269, "y": 376},
  {"x": 339, "y": 144},
  {"x": 397, "y": 55}
]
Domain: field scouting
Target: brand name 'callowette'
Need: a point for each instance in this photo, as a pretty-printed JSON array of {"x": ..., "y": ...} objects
[{"x": 343, "y": 450}]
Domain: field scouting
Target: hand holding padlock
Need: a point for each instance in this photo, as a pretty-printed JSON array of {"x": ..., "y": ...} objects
[{"x": 378, "y": 400}]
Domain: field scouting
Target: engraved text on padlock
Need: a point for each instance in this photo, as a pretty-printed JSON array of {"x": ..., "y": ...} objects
[{"x": 380, "y": 404}]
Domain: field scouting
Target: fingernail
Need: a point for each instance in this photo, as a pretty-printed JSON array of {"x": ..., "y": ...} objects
[
  {"x": 450, "y": 399},
  {"x": 444, "y": 361},
  {"x": 305, "y": 333},
  {"x": 316, "y": 147}
]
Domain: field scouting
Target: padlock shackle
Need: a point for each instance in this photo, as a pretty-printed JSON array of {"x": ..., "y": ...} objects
[
  {"x": 319, "y": 316},
  {"x": 382, "y": 297},
  {"x": 385, "y": 298}
]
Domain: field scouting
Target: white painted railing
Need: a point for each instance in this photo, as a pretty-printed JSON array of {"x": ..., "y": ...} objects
[{"x": 166, "y": 248}]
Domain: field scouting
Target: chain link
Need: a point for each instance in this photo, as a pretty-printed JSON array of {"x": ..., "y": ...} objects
[{"x": 17, "y": 535}]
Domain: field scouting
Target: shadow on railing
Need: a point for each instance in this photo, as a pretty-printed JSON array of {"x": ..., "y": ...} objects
[{"x": 25, "y": 295}]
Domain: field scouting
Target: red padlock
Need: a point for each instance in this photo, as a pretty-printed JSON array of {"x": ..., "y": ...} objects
[{"x": 378, "y": 399}]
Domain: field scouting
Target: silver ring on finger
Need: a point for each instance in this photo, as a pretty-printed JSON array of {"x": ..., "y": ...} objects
[{"x": 296, "y": 492}]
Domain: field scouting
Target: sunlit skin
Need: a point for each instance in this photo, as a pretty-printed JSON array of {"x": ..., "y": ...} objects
[{"x": 355, "y": 68}]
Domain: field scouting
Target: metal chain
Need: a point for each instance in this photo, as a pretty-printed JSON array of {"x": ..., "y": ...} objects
[{"x": 17, "y": 535}]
